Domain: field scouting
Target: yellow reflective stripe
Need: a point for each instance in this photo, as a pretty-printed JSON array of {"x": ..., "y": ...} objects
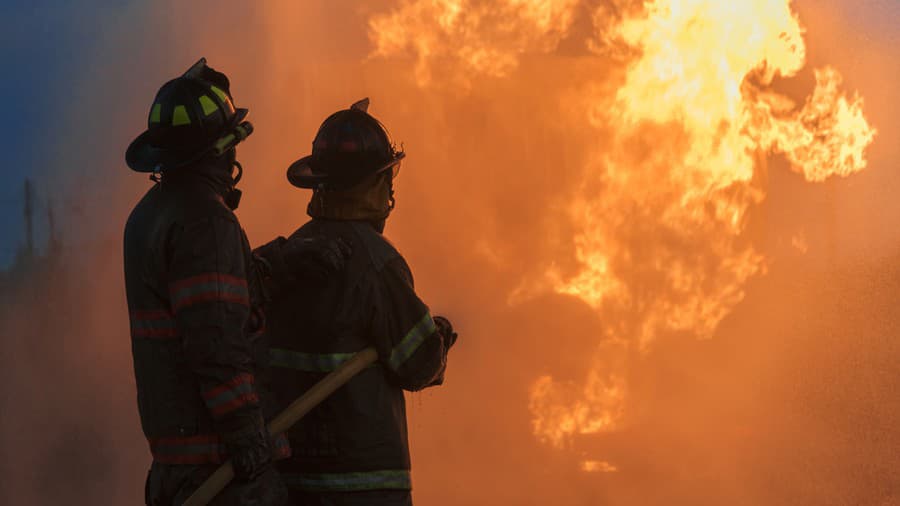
[
  {"x": 389, "y": 479},
  {"x": 411, "y": 342},
  {"x": 208, "y": 105},
  {"x": 155, "y": 113},
  {"x": 180, "y": 116},
  {"x": 221, "y": 94},
  {"x": 307, "y": 362}
]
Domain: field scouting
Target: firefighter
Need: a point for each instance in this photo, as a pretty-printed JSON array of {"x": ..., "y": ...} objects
[
  {"x": 352, "y": 449},
  {"x": 195, "y": 294}
]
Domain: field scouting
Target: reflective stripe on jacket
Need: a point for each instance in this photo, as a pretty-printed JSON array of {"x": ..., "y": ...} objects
[
  {"x": 192, "y": 297},
  {"x": 357, "y": 438}
]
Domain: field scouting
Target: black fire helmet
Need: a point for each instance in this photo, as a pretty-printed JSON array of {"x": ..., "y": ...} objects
[
  {"x": 191, "y": 116},
  {"x": 350, "y": 146}
]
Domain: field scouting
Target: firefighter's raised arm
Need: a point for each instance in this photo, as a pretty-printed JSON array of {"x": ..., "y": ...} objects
[{"x": 409, "y": 342}]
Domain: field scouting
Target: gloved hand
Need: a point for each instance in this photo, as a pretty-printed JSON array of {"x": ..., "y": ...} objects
[
  {"x": 250, "y": 452},
  {"x": 445, "y": 328},
  {"x": 315, "y": 258},
  {"x": 282, "y": 262},
  {"x": 266, "y": 490}
]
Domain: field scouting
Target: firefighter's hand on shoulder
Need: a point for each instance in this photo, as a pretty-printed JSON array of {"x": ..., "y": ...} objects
[
  {"x": 315, "y": 258},
  {"x": 445, "y": 328}
]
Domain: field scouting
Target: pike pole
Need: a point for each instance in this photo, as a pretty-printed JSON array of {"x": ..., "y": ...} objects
[{"x": 287, "y": 418}]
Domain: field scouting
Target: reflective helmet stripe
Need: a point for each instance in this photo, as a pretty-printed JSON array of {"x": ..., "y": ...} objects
[
  {"x": 224, "y": 100},
  {"x": 222, "y": 95},
  {"x": 155, "y": 113},
  {"x": 180, "y": 116},
  {"x": 208, "y": 105}
]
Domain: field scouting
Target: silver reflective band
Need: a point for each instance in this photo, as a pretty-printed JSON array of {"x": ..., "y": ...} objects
[
  {"x": 396, "y": 479},
  {"x": 307, "y": 362},
  {"x": 411, "y": 342}
]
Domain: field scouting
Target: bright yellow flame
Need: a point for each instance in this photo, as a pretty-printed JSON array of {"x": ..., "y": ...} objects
[
  {"x": 664, "y": 201},
  {"x": 827, "y": 137},
  {"x": 661, "y": 248},
  {"x": 566, "y": 409}
]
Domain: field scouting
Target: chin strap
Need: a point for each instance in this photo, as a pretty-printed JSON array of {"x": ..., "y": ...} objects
[
  {"x": 156, "y": 175},
  {"x": 233, "y": 195}
]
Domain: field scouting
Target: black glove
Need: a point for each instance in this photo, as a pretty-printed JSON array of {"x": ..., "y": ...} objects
[
  {"x": 266, "y": 489},
  {"x": 282, "y": 262},
  {"x": 250, "y": 452},
  {"x": 445, "y": 328},
  {"x": 315, "y": 258}
]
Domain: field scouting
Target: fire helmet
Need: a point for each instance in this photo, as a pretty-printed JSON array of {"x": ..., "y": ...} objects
[
  {"x": 350, "y": 146},
  {"x": 192, "y": 116}
]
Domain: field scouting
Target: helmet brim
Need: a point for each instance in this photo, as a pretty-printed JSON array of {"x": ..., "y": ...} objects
[
  {"x": 301, "y": 174},
  {"x": 145, "y": 155}
]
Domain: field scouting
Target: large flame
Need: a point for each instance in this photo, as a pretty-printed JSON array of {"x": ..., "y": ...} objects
[
  {"x": 459, "y": 39},
  {"x": 663, "y": 204}
]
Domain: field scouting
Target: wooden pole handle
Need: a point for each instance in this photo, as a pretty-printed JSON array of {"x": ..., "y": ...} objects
[{"x": 287, "y": 418}]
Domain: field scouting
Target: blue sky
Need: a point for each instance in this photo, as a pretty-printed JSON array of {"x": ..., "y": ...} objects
[
  {"x": 48, "y": 53},
  {"x": 43, "y": 49},
  {"x": 34, "y": 47}
]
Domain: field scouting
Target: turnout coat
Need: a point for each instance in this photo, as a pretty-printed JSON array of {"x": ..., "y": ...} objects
[{"x": 356, "y": 440}]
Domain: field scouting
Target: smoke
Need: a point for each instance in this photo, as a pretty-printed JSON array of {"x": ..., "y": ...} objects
[{"x": 505, "y": 110}]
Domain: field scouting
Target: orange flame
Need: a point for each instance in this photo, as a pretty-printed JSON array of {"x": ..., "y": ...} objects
[
  {"x": 463, "y": 38},
  {"x": 663, "y": 204},
  {"x": 598, "y": 466},
  {"x": 696, "y": 91}
]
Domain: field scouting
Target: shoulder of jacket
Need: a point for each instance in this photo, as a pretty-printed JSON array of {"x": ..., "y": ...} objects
[
  {"x": 199, "y": 207},
  {"x": 379, "y": 249}
]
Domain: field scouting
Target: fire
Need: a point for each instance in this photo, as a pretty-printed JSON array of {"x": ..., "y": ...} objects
[
  {"x": 663, "y": 205},
  {"x": 661, "y": 248},
  {"x": 564, "y": 409},
  {"x": 598, "y": 466},
  {"x": 467, "y": 37}
]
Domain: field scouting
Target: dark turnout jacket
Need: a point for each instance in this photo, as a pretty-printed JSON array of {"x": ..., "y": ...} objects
[
  {"x": 356, "y": 440},
  {"x": 194, "y": 303}
]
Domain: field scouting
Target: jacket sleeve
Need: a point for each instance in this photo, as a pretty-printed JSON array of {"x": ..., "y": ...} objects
[
  {"x": 276, "y": 275},
  {"x": 408, "y": 342},
  {"x": 209, "y": 295}
]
